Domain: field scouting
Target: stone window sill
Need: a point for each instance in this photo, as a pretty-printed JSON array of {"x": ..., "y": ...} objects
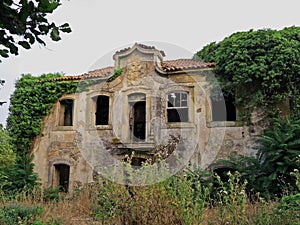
[
  {"x": 187, "y": 125},
  {"x": 212, "y": 124},
  {"x": 103, "y": 127},
  {"x": 64, "y": 128}
]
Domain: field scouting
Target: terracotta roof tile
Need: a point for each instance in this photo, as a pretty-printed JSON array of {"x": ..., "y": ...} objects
[
  {"x": 104, "y": 72},
  {"x": 184, "y": 64},
  {"x": 168, "y": 66}
]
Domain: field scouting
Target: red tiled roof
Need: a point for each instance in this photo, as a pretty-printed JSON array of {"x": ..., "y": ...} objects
[
  {"x": 104, "y": 72},
  {"x": 167, "y": 66},
  {"x": 184, "y": 64}
]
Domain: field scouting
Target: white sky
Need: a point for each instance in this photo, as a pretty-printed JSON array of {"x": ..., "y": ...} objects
[{"x": 100, "y": 27}]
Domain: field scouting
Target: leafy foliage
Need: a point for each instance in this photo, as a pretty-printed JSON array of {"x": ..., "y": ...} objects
[
  {"x": 19, "y": 214},
  {"x": 7, "y": 155},
  {"x": 264, "y": 64},
  {"x": 278, "y": 154},
  {"x": 32, "y": 100},
  {"x": 23, "y": 22},
  {"x": 271, "y": 172},
  {"x": 117, "y": 73}
]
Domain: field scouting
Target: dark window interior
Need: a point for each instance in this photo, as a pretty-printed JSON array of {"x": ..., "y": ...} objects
[
  {"x": 102, "y": 111},
  {"x": 63, "y": 176},
  {"x": 224, "y": 109},
  {"x": 139, "y": 120},
  {"x": 136, "y": 161},
  {"x": 66, "y": 112}
]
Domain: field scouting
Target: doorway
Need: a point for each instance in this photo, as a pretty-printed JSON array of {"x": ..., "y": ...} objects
[
  {"x": 61, "y": 177},
  {"x": 138, "y": 121},
  {"x": 137, "y": 117}
]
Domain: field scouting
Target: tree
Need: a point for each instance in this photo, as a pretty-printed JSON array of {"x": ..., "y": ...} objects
[
  {"x": 2, "y": 82},
  {"x": 265, "y": 64},
  {"x": 24, "y": 22},
  {"x": 7, "y": 155}
]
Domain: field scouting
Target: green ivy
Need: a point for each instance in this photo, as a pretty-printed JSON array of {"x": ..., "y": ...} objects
[
  {"x": 261, "y": 66},
  {"x": 117, "y": 73},
  {"x": 32, "y": 100}
]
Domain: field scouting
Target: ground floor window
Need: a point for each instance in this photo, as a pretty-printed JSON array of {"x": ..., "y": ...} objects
[{"x": 61, "y": 177}]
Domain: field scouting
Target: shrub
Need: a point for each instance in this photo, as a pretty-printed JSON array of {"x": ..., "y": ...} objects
[{"x": 20, "y": 214}]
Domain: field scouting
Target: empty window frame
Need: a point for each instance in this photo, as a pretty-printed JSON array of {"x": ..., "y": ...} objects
[
  {"x": 61, "y": 177},
  {"x": 224, "y": 109},
  {"x": 102, "y": 110},
  {"x": 178, "y": 106},
  {"x": 66, "y": 112},
  {"x": 137, "y": 116}
]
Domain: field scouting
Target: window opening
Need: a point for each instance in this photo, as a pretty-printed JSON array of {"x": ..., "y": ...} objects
[
  {"x": 66, "y": 115},
  {"x": 136, "y": 161},
  {"x": 61, "y": 177},
  {"x": 102, "y": 110},
  {"x": 177, "y": 108},
  {"x": 137, "y": 117},
  {"x": 224, "y": 109}
]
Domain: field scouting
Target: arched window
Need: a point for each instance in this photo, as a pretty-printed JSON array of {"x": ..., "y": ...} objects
[
  {"x": 66, "y": 112},
  {"x": 178, "y": 106},
  {"x": 102, "y": 110}
]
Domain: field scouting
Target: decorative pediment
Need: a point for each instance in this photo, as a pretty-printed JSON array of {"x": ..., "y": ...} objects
[{"x": 138, "y": 52}]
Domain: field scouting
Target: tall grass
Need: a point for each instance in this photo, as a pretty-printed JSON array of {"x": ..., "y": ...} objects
[{"x": 181, "y": 199}]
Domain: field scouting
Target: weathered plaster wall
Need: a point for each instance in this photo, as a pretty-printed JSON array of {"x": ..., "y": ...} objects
[{"x": 86, "y": 147}]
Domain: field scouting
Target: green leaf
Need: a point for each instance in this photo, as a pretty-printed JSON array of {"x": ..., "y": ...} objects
[
  {"x": 30, "y": 38},
  {"x": 24, "y": 44},
  {"x": 3, "y": 53},
  {"x": 44, "y": 28},
  {"x": 65, "y": 28},
  {"x": 55, "y": 34}
]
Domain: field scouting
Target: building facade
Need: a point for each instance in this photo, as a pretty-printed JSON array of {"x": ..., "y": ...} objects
[{"x": 144, "y": 107}]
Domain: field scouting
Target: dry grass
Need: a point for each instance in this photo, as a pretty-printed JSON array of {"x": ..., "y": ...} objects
[{"x": 158, "y": 204}]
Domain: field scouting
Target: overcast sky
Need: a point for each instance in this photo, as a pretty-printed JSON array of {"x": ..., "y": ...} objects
[{"x": 101, "y": 27}]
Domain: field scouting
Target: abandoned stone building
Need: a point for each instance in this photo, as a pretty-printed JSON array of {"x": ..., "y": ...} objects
[{"x": 142, "y": 104}]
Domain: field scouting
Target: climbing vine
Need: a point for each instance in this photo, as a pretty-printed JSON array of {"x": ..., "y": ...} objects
[
  {"x": 261, "y": 66},
  {"x": 117, "y": 73},
  {"x": 31, "y": 101}
]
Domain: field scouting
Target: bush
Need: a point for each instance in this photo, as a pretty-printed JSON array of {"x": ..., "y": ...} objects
[
  {"x": 20, "y": 214},
  {"x": 272, "y": 172}
]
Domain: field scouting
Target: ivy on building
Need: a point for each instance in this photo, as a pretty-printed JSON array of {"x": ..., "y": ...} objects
[
  {"x": 31, "y": 101},
  {"x": 118, "y": 72},
  {"x": 262, "y": 67}
]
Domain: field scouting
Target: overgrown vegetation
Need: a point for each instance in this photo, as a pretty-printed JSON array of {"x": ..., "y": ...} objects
[
  {"x": 118, "y": 72},
  {"x": 271, "y": 171},
  {"x": 260, "y": 190},
  {"x": 7, "y": 155},
  {"x": 186, "y": 198},
  {"x": 261, "y": 67},
  {"x": 32, "y": 100}
]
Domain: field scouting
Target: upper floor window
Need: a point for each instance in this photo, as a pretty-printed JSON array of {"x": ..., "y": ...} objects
[
  {"x": 223, "y": 109},
  {"x": 66, "y": 112},
  {"x": 177, "y": 108},
  {"x": 102, "y": 110}
]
